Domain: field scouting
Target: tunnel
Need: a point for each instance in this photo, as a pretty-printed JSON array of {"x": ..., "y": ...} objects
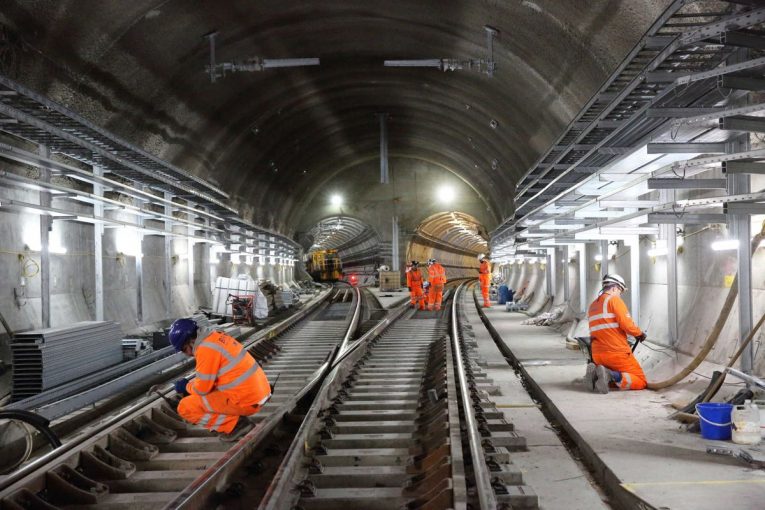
[{"x": 522, "y": 209}]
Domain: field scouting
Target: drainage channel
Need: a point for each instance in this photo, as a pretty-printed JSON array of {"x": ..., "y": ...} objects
[{"x": 148, "y": 456}]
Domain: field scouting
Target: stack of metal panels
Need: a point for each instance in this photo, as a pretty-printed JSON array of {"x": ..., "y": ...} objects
[
  {"x": 133, "y": 348},
  {"x": 46, "y": 358}
]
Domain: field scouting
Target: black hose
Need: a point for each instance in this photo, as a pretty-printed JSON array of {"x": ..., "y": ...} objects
[{"x": 39, "y": 422}]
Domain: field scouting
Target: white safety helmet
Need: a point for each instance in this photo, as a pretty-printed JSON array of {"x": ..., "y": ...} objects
[
  {"x": 481, "y": 256},
  {"x": 614, "y": 279},
  {"x": 431, "y": 262}
]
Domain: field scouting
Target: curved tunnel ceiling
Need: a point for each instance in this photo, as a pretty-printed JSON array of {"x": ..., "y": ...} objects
[
  {"x": 336, "y": 232},
  {"x": 455, "y": 230},
  {"x": 273, "y": 138}
]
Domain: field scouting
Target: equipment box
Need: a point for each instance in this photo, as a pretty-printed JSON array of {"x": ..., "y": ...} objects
[{"x": 390, "y": 280}]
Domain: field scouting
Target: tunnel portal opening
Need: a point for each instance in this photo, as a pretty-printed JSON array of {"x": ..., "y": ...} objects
[
  {"x": 342, "y": 247},
  {"x": 453, "y": 238}
]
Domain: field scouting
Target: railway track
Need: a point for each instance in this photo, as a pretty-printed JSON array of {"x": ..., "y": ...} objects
[
  {"x": 400, "y": 417},
  {"x": 147, "y": 455},
  {"x": 403, "y": 422}
]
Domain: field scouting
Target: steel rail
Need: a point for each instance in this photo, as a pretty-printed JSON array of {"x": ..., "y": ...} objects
[
  {"x": 485, "y": 492},
  {"x": 88, "y": 436},
  {"x": 279, "y": 485},
  {"x": 196, "y": 495}
]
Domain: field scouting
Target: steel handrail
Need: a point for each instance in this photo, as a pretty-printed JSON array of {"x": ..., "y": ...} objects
[{"x": 484, "y": 489}]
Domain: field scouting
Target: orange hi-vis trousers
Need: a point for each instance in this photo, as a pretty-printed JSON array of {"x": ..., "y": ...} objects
[
  {"x": 215, "y": 411},
  {"x": 417, "y": 297},
  {"x": 435, "y": 295},
  {"x": 485, "y": 281},
  {"x": 633, "y": 377}
]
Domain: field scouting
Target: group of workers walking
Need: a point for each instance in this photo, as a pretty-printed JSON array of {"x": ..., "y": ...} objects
[{"x": 418, "y": 286}]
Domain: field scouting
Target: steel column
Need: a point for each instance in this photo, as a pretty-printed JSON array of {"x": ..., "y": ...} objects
[
  {"x": 98, "y": 244},
  {"x": 139, "y": 267},
  {"x": 552, "y": 272},
  {"x": 634, "y": 243},
  {"x": 740, "y": 227},
  {"x": 394, "y": 245},
  {"x": 168, "y": 258},
  {"x": 190, "y": 255},
  {"x": 583, "y": 304},
  {"x": 384, "y": 175},
  {"x": 566, "y": 288},
  {"x": 604, "y": 256},
  {"x": 46, "y": 224},
  {"x": 668, "y": 233}
]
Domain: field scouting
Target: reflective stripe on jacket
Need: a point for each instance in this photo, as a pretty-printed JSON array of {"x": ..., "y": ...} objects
[
  {"x": 223, "y": 364},
  {"x": 610, "y": 323},
  {"x": 436, "y": 274},
  {"x": 414, "y": 278}
]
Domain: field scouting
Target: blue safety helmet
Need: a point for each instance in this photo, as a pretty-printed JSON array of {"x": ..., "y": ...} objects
[{"x": 181, "y": 331}]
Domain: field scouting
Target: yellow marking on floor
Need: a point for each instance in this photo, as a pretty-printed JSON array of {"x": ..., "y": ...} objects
[{"x": 631, "y": 486}]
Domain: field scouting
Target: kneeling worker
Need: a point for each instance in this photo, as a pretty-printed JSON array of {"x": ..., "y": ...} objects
[
  {"x": 610, "y": 323},
  {"x": 228, "y": 386}
]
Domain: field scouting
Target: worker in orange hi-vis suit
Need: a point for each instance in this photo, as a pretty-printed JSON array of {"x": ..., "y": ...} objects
[
  {"x": 484, "y": 278},
  {"x": 437, "y": 279},
  {"x": 229, "y": 383},
  {"x": 610, "y": 323},
  {"x": 414, "y": 283}
]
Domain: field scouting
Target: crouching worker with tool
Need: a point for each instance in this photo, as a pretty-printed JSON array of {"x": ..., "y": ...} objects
[
  {"x": 229, "y": 383},
  {"x": 610, "y": 323}
]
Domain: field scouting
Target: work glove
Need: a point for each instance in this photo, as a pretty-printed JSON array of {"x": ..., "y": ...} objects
[
  {"x": 641, "y": 337},
  {"x": 180, "y": 386}
]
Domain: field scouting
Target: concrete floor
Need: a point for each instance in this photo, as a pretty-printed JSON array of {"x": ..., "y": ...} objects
[
  {"x": 390, "y": 299},
  {"x": 630, "y": 434},
  {"x": 560, "y": 482}
]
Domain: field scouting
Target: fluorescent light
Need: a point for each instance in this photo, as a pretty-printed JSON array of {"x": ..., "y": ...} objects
[{"x": 725, "y": 244}]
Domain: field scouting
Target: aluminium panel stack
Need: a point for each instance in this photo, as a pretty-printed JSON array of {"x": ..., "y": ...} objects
[{"x": 46, "y": 358}]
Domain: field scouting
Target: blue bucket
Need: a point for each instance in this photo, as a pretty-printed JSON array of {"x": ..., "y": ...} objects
[{"x": 715, "y": 421}]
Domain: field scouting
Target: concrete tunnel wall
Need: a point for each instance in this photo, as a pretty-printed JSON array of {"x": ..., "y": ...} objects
[
  {"x": 702, "y": 290},
  {"x": 72, "y": 281}
]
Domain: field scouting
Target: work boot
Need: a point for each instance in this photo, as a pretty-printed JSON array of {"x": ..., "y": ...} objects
[
  {"x": 602, "y": 378},
  {"x": 242, "y": 427},
  {"x": 589, "y": 377}
]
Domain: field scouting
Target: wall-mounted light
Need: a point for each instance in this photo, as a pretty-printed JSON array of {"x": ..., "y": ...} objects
[
  {"x": 659, "y": 249},
  {"x": 336, "y": 200},
  {"x": 725, "y": 245},
  {"x": 598, "y": 258}
]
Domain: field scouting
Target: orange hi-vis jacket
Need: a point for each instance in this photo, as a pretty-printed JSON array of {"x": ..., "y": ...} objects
[
  {"x": 610, "y": 323},
  {"x": 485, "y": 267},
  {"x": 436, "y": 274},
  {"x": 223, "y": 364},
  {"x": 414, "y": 278}
]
